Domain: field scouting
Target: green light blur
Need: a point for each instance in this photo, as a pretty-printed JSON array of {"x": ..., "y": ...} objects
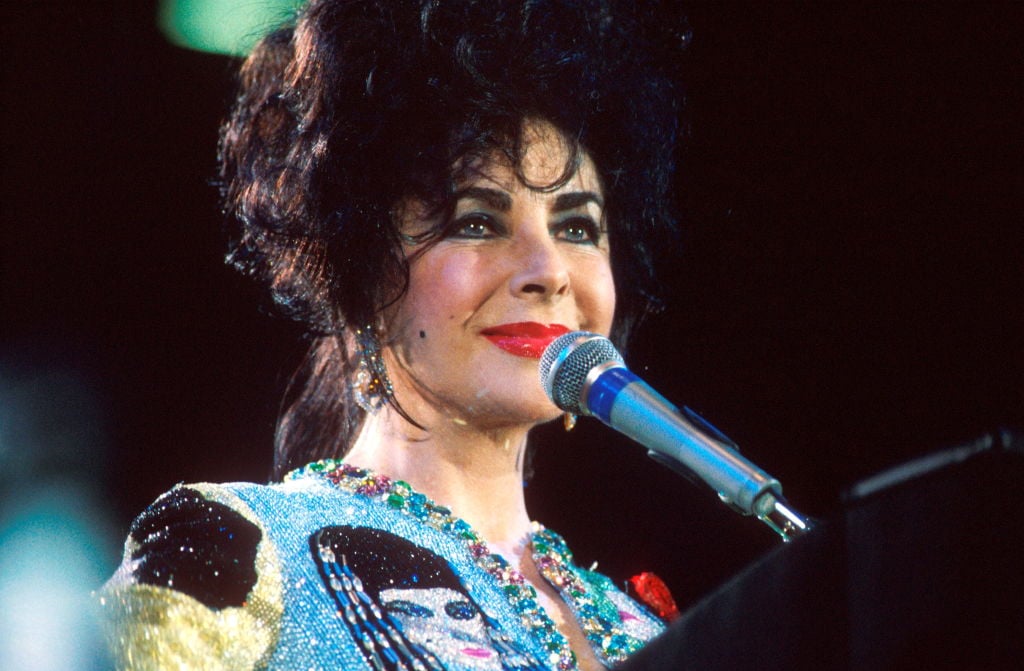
[{"x": 222, "y": 26}]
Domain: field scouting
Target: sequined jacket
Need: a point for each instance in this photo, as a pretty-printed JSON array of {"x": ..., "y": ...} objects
[{"x": 340, "y": 568}]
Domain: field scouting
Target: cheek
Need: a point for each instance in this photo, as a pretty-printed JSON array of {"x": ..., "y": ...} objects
[
  {"x": 609, "y": 297},
  {"x": 596, "y": 294},
  {"x": 443, "y": 286}
]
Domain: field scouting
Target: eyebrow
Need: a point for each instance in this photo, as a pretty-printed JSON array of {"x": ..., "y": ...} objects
[
  {"x": 574, "y": 199},
  {"x": 499, "y": 200},
  {"x": 502, "y": 201}
]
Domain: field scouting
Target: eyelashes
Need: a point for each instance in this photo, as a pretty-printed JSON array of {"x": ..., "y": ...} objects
[
  {"x": 475, "y": 225},
  {"x": 575, "y": 229},
  {"x": 580, "y": 230}
]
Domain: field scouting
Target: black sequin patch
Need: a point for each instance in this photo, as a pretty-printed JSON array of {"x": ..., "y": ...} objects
[{"x": 198, "y": 547}]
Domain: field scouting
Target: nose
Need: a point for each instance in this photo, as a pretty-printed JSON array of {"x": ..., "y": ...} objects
[{"x": 541, "y": 268}]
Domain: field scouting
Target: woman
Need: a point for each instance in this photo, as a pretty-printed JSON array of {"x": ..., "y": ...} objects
[{"x": 437, "y": 190}]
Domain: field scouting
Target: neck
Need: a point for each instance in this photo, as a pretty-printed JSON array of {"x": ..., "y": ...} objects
[{"x": 478, "y": 474}]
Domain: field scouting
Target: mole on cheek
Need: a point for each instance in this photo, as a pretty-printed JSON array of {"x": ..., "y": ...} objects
[{"x": 423, "y": 334}]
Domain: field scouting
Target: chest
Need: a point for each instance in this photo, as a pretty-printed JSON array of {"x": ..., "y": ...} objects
[{"x": 366, "y": 586}]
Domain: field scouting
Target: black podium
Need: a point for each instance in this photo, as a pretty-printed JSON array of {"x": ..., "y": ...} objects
[{"x": 924, "y": 569}]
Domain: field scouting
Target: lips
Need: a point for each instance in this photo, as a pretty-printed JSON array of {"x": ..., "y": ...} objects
[
  {"x": 525, "y": 339},
  {"x": 479, "y": 653}
]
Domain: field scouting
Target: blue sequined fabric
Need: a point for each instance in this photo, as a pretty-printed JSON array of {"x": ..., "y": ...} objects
[{"x": 353, "y": 571}]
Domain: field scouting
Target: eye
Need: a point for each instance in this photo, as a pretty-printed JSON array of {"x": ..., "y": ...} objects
[
  {"x": 460, "y": 610},
  {"x": 579, "y": 230},
  {"x": 403, "y": 607},
  {"x": 475, "y": 225}
]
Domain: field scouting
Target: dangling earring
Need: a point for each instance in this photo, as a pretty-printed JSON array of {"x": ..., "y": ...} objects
[
  {"x": 372, "y": 387},
  {"x": 569, "y": 421}
]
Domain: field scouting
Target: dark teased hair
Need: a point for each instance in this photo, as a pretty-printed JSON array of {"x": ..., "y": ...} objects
[{"x": 362, "y": 104}]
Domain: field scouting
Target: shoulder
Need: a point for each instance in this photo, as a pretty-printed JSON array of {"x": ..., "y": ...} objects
[
  {"x": 195, "y": 574},
  {"x": 199, "y": 540}
]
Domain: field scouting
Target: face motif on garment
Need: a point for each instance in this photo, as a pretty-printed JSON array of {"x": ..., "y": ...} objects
[
  {"x": 445, "y": 622},
  {"x": 402, "y": 604}
]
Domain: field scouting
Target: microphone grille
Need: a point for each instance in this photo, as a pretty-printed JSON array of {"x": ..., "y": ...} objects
[{"x": 567, "y": 361}]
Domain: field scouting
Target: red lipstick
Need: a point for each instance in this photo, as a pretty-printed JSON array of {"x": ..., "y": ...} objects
[
  {"x": 479, "y": 653},
  {"x": 526, "y": 339}
]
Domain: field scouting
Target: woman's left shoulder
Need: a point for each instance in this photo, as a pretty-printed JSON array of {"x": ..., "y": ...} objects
[{"x": 194, "y": 585}]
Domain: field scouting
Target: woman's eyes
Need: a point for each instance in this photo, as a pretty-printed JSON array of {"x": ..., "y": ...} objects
[
  {"x": 460, "y": 610},
  {"x": 403, "y": 607},
  {"x": 475, "y": 225},
  {"x": 581, "y": 230}
]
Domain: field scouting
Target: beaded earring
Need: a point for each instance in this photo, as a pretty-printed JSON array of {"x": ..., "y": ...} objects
[{"x": 371, "y": 387}]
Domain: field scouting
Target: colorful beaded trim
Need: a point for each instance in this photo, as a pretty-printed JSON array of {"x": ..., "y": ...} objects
[{"x": 596, "y": 614}]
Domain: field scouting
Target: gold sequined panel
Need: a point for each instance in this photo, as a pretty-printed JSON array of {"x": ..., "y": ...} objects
[{"x": 151, "y": 627}]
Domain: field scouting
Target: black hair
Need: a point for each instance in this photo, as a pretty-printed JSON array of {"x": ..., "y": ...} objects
[{"x": 362, "y": 104}]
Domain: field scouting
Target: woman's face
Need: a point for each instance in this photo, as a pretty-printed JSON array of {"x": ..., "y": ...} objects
[
  {"x": 521, "y": 267},
  {"x": 445, "y": 623}
]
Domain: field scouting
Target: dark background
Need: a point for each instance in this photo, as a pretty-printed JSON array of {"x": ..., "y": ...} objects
[{"x": 848, "y": 295}]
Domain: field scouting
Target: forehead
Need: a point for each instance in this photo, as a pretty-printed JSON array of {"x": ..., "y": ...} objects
[{"x": 548, "y": 168}]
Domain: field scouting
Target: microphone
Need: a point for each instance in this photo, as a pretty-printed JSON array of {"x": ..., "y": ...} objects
[{"x": 584, "y": 374}]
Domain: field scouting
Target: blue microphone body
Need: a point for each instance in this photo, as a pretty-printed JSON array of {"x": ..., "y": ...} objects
[
  {"x": 626, "y": 403},
  {"x": 583, "y": 373}
]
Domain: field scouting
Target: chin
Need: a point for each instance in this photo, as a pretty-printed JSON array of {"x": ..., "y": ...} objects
[
  {"x": 529, "y": 411},
  {"x": 551, "y": 416},
  {"x": 547, "y": 414}
]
